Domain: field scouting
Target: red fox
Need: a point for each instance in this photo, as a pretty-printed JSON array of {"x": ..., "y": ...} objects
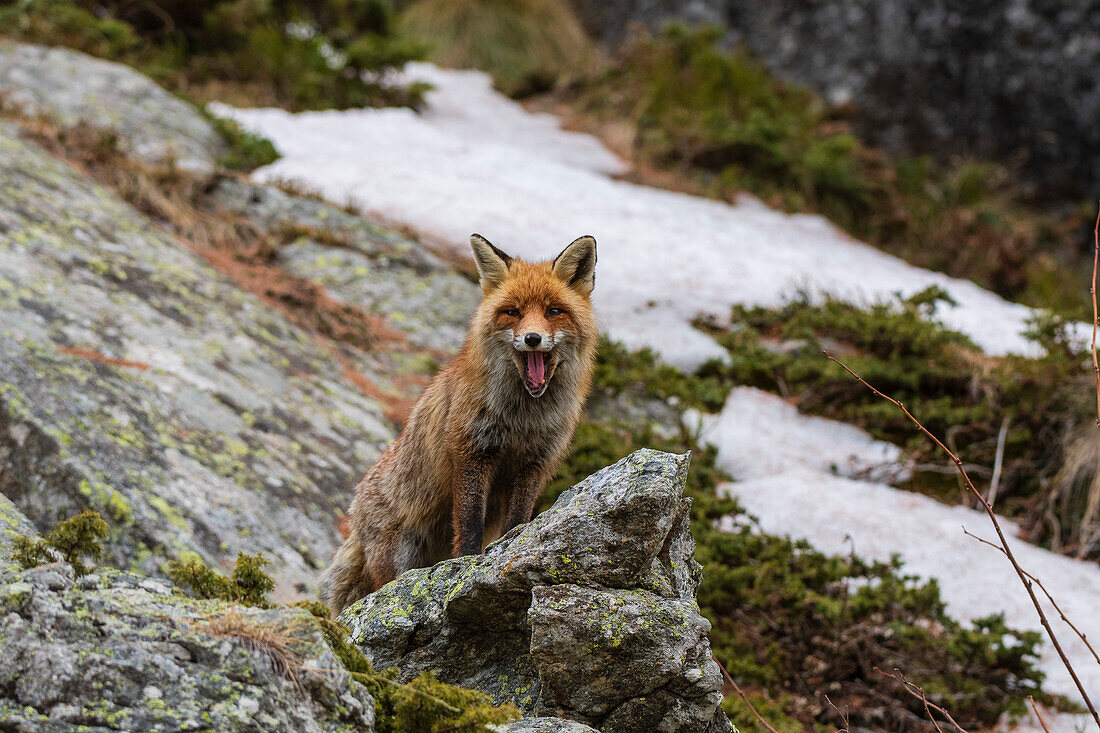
[{"x": 488, "y": 432}]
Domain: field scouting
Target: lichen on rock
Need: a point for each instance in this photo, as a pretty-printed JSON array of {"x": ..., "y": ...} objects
[
  {"x": 586, "y": 613},
  {"x": 140, "y": 382},
  {"x": 115, "y": 650},
  {"x": 73, "y": 88}
]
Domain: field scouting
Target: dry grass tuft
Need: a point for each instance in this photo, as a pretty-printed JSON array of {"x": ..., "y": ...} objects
[
  {"x": 273, "y": 641},
  {"x": 1074, "y": 496},
  {"x": 526, "y": 45}
]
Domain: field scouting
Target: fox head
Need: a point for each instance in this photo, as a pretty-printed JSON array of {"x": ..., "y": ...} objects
[{"x": 537, "y": 316}]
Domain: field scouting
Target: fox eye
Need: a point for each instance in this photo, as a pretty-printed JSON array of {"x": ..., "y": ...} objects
[
  {"x": 513, "y": 312},
  {"x": 551, "y": 312}
]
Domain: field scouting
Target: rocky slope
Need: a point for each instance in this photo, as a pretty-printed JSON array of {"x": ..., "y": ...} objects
[
  {"x": 142, "y": 375},
  {"x": 143, "y": 382},
  {"x": 976, "y": 79},
  {"x": 119, "y": 651},
  {"x": 72, "y": 87}
]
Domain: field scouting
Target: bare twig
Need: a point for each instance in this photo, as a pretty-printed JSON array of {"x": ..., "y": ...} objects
[
  {"x": 1095, "y": 317},
  {"x": 757, "y": 715},
  {"x": 1043, "y": 588},
  {"x": 998, "y": 460},
  {"x": 1024, "y": 579},
  {"x": 918, "y": 692},
  {"x": 1035, "y": 707},
  {"x": 843, "y": 715}
]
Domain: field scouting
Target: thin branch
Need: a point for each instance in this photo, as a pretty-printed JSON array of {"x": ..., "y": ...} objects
[
  {"x": 998, "y": 461},
  {"x": 843, "y": 716},
  {"x": 1095, "y": 317},
  {"x": 1035, "y": 707},
  {"x": 758, "y": 716},
  {"x": 1050, "y": 598},
  {"x": 996, "y": 525},
  {"x": 918, "y": 692}
]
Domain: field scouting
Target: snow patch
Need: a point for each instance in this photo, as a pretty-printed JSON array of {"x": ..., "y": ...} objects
[
  {"x": 475, "y": 161},
  {"x": 761, "y": 435},
  {"x": 795, "y": 474}
]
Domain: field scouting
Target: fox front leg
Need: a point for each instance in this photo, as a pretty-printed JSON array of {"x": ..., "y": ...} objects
[
  {"x": 526, "y": 491},
  {"x": 468, "y": 510}
]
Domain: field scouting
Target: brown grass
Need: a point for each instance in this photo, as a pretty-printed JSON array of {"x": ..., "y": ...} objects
[
  {"x": 1075, "y": 492},
  {"x": 525, "y": 45},
  {"x": 395, "y": 407},
  {"x": 226, "y": 240},
  {"x": 273, "y": 641},
  {"x": 96, "y": 356}
]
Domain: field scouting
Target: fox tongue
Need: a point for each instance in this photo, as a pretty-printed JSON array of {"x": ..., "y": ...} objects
[{"x": 536, "y": 368}]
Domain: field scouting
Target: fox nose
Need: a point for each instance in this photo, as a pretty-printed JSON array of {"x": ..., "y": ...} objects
[{"x": 532, "y": 340}]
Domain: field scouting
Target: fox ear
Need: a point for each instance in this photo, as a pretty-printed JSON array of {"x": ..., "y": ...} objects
[
  {"x": 492, "y": 264},
  {"x": 576, "y": 264}
]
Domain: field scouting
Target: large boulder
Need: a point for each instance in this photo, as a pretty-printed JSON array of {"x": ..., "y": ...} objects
[
  {"x": 141, "y": 381},
  {"x": 117, "y": 651},
  {"x": 586, "y": 613},
  {"x": 71, "y": 87}
]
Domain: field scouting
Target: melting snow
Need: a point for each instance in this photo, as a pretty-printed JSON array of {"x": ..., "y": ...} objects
[
  {"x": 799, "y": 476},
  {"x": 476, "y": 161}
]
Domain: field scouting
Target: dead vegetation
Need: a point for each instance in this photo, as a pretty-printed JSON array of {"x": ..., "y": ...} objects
[{"x": 275, "y": 642}]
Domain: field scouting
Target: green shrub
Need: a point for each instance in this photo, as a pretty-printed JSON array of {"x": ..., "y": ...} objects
[
  {"x": 942, "y": 378},
  {"x": 64, "y": 23},
  {"x": 291, "y": 53},
  {"x": 248, "y": 584},
  {"x": 619, "y": 369},
  {"x": 71, "y": 540},
  {"x": 525, "y": 45},
  {"x": 793, "y": 625}
]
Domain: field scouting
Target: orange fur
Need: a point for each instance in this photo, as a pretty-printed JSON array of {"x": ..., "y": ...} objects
[{"x": 484, "y": 439}]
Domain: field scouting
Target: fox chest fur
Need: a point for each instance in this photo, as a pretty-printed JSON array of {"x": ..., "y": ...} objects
[{"x": 489, "y": 431}]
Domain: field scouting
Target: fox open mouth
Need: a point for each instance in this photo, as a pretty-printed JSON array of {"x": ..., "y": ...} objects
[{"x": 536, "y": 368}]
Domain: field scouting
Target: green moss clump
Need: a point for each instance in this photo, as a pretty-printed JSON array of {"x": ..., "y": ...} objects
[
  {"x": 428, "y": 705},
  {"x": 247, "y": 151},
  {"x": 424, "y": 705},
  {"x": 71, "y": 540},
  {"x": 248, "y": 584}
]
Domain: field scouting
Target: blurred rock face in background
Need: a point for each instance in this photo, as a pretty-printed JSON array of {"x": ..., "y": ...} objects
[{"x": 1011, "y": 81}]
